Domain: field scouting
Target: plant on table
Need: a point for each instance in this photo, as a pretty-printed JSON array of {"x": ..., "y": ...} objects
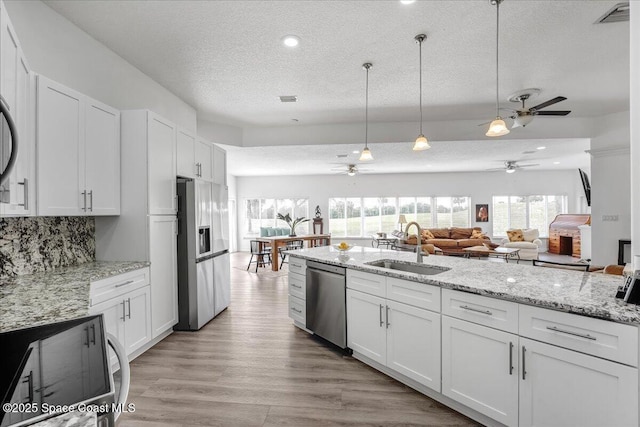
[{"x": 292, "y": 223}]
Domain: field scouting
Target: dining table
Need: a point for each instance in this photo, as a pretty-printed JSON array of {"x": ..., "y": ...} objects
[{"x": 280, "y": 241}]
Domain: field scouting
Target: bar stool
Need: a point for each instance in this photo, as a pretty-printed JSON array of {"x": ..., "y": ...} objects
[
  {"x": 258, "y": 249},
  {"x": 321, "y": 241},
  {"x": 294, "y": 244}
]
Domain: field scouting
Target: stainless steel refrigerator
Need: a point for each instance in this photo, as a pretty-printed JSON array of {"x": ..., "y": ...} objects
[{"x": 203, "y": 252}]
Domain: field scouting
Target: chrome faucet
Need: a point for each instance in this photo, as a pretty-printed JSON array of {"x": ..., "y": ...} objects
[{"x": 418, "y": 241}]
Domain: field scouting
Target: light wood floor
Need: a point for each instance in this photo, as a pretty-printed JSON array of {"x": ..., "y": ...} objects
[{"x": 250, "y": 366}]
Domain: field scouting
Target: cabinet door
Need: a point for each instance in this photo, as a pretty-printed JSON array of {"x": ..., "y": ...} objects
[
  {"x": 219, "y": 165},
  {"x": 163, "y": 277},
  {"x": 113, "y": 313},
  {"x": 102, "y": 158},
  {"x": 413, "y": 343},
  {"x": 60, "y": 149},
  {"x": 366, "y": 328},
  {"x": 185, "y": 153},
  {"x": 480, "y": 369},
  {"x": 162, "y": 166},
  {"x": 561, "y": 387},
  {"x": 204, "y": 159},
  {"x": 137, "y": 323}
]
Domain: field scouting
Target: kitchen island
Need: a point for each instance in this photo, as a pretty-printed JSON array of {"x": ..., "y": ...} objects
[{"x": 504, "y": 344}]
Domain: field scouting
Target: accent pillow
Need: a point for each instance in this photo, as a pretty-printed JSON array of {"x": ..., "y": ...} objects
[
  {"x": 264, "y": 232},
  {"x": 427, "y": 234},
  {"x": 285, "y": 231},
  {"x": 458, "y": 233},
  {"x": 477, "y": 234},
  {"x": 515, "y": 235},
  {"x": 529, "y": 235},
  {"x": 440, "y": 233},
  {"x": 271, "y": 231}
]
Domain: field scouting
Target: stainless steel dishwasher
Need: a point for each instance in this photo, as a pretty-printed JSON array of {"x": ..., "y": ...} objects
[{"x": 326, "y": 302}]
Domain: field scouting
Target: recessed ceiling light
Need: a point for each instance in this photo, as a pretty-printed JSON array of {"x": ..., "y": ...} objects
[
  {"x": 291, "y": 40},
  {"x": 541, "y": 148},
  {"x": 407, "y": 1}
]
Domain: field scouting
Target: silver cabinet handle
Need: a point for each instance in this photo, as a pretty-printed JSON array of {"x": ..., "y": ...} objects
[
  {"x": 124, "y": 314},
  {"x": 466, "y": 307},
  {"x": 91, "y": 200},
  {"x": 28, "y": 379},
  {"x": 387, "y": 316},
  {"x": 524, "y": 370},
  {"x": 296, "y": 310},
  {"x": 25, "y": 184},
  {"x": 296, "y": 286},
  {"x": 510, "y": 358},
  {"x": 84, "y": 198},
  {"x": 124, "y": 284},
  {"x": 381, "y": 322},
  {"x": 87, "y": 331},
  {"x": 562, "y": 331},
  {"x": 129, "y": 305},
  {"x": 93, "y": 334}
]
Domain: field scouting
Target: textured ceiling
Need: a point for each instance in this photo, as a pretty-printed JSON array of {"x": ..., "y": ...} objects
[{"x": 226, "y": 59}]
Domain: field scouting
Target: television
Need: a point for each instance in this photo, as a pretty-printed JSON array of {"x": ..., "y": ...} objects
[{"x": 586, "y": 186}]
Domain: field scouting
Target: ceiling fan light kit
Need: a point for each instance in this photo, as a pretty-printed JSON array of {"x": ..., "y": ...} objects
[
  {"x": 366, "y": 153},
  {"x": 498, "y": 126},
  {"x": 421, "y": 141}
]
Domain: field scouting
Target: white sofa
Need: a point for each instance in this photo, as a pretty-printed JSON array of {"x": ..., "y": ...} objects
[{"x": 529, "y": 248}]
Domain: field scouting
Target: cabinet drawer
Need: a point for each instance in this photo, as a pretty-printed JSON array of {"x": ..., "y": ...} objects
[
  {"x": 298, "y": 310},
  {"x": 486, "y": 311},
  {"x": 297, "y": 285},
  {"x": 105, "y": 289},
  {"x": 609, "y": 340},
  {"x": 413, "y": 293},
  {"x": 297, "y": 265},
  {"x": 369, "y": 283}
]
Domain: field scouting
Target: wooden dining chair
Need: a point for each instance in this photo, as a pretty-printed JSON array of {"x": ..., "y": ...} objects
[
  {"x": 292, "y": 245},
  {"x": 262, "y": 254}
]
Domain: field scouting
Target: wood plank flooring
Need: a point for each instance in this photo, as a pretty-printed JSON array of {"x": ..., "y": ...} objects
[{"x": 251, "y": 367}]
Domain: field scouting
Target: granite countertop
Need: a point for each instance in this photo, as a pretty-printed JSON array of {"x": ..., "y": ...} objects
[
  {"x": 588, "y": 294},
  {"x": 55, "y": 295}
]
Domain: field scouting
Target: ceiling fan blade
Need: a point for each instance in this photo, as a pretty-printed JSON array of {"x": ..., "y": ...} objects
[
  {"x": 528, "y": 166},
  {"x": 495, "y": 169},
  {"x": 549, "y": 102},
  {"x": 552, "y": 113}
]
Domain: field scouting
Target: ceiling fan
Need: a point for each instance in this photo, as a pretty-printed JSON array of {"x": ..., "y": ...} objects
[
  {"x": 523, "y": 116},
  {"x": 510, "y": 166},
  {"x": 349, "y": 169}
]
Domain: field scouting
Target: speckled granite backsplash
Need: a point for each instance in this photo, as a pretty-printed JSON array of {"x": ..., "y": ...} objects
[{"x": 31, "y": 245}]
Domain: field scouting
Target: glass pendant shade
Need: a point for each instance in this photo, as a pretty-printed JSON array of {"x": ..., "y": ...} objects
[
  {"x": 366, "y": 155},
  {"x": 497, "y": 128},
  {"x": 421, "y": 143}
]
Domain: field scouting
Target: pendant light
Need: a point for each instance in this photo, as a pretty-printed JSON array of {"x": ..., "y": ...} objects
[
  {"x": 366, "y": 153},
  {"x": 421, "y": 142},
  {"x": 498, "y": 126}
]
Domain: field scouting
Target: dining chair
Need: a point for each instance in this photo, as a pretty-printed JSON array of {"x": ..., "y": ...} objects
[
  {"x": 321, "y": 241},
  {"x": 292, "y": 245},
  {"x": 562, "y": 265},
  {"x": 262, "y": 254}
]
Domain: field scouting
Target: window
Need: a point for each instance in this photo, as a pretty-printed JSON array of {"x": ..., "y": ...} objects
[
  {"x": 526, "y": 212},
  {"x": 362, "y": 217},
  {"x": 264, "y": 212}
]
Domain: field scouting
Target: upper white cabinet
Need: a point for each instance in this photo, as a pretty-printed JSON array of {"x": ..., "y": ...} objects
[
  {"x": 161, "y": 146},
  {"x": 219, "y": 165},
  {"x": 194, "y": 156},
  {"x": 78, "y": 153},
  {"x": 17, "y": 195}
]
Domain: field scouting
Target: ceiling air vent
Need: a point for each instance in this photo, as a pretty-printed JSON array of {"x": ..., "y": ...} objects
[
  {"x": 288, "y": 98},
  {"x": 618, "y": 13}
]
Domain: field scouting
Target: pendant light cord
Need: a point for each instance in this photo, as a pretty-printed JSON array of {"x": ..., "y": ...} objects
[
  {"x": 420, "y": 44},
  {"x": 497, "y": 56},
  {"x": 366, "y": 111}
]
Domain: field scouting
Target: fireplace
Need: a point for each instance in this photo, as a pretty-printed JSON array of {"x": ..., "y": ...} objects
[
  {"x": 564, "y": 234},
  {"x": 566, "y": 245}
]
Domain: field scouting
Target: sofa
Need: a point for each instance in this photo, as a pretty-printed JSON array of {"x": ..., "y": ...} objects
[
  {"x": 524, "y": 239},
  {"x": 452, "y": 240}
]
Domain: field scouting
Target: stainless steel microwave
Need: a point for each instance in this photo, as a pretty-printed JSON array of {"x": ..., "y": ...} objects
[{"x": 8, "y": 141}]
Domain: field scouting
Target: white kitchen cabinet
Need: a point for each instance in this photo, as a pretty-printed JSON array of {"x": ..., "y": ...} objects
[
  {"x": 194, "y": 156},
  {"x": 17, "y": 195},
  {"x": 78, "y": 152},
  {"x": 219, "y": 165},
  {"x": 204, "y": 160},
  {"x": 164, "y": 274},
  {"x": 480, "y": 368},
  {"x": 560, "y": 387},
  {"x": 366, "y": 329},
  {"x": 162, "y": 165},
  {"x": 298, "y": 292}
]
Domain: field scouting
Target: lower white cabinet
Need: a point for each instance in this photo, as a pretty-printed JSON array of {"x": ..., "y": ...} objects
[
  {"x": 480, "y": 368},
  {"x": 164, "y": 273},
  {"x": 399, "y": 336},
  {"x": 297, "y": 291},
  {"x": 560, "y": 387}
]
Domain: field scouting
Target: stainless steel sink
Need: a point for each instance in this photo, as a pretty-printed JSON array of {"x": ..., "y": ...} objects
[{"x": 410, "y": 267}]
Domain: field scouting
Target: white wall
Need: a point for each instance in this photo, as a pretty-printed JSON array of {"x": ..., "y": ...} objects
[
  {"x": 480, "y": 186},
  {"x": 610, "y": 187},
  {"x": 63, "y": 52},
  {"x": 220, "y": 133},
  {"x": 634, "y": 33}
]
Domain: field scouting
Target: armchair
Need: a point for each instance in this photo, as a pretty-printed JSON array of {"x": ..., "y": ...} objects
[{"x": 529, "y": 247}]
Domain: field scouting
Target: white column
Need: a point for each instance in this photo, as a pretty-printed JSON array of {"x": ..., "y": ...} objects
[{"x": 634, "y": 33}]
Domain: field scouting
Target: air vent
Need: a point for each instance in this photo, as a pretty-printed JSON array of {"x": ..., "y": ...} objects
[
  {"x": 288, "y": 98},
  {"x": 618, "y": 13},
  {"x": 341, "y": 156}
]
